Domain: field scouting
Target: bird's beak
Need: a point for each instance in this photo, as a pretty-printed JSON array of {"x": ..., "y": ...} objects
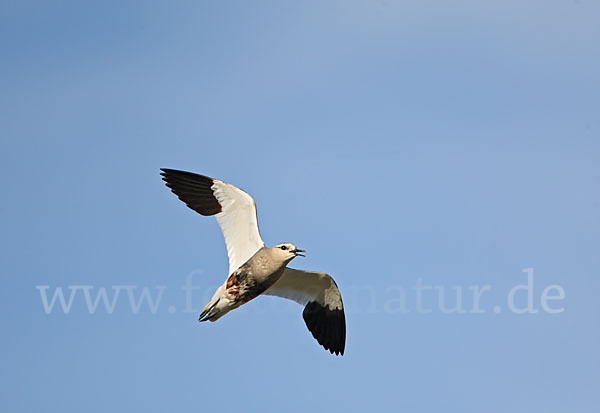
[{"x": 298, "y": 251}]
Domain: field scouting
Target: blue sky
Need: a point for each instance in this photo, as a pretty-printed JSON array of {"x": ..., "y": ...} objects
[{"x": 448, "y": 144}]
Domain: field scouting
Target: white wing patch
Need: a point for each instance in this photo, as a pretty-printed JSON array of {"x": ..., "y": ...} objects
[
  {"x": 238, "y": 222},
  {"x": 307, "y": 286}
]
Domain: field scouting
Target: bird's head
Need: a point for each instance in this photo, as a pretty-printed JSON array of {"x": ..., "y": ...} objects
[{"x": 287, "y": 251}]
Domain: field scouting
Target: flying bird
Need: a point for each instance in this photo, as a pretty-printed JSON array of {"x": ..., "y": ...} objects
[{"x": 255, "y": 269}]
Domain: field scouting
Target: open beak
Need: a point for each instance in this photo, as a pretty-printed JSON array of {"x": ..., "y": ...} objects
[{"x": 298, "y": 251}]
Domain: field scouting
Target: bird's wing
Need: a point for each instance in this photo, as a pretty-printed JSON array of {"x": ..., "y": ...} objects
[
  {"x": 323, "y": 312},
  {"x": 234, "y": 209}
]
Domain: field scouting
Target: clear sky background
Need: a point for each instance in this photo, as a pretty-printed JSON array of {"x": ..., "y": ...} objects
[{"x": 455, "y": 143}]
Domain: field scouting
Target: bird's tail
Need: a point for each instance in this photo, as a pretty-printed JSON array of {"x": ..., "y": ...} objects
[
  {"x": 208, "y": 311},
  {"x": 217, "y": 307}
]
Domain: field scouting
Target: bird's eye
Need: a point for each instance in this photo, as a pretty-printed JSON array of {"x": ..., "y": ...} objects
[{"x": 283, "y": 247}]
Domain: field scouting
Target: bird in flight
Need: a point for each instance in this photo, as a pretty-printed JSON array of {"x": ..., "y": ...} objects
[{"x": 255, "y": 269}]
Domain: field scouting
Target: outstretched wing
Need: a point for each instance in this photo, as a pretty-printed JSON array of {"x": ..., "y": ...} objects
[
  {"x": 234, "y": 209},
  {"x": 324, "y": 311}
]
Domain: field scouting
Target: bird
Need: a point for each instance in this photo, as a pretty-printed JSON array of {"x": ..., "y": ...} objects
[{"x": 255, "y": 269}]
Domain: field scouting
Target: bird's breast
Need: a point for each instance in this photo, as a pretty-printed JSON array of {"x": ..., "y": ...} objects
[{"x": 245, "y": 284}]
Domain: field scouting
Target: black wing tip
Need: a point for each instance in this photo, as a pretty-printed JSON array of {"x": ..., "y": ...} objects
[
  {"x": 181, "y": 174},
  {"x": 193, "y": 189},
  {"x": 327, "y": 326},
  {"x": 164, "y": 172}
]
